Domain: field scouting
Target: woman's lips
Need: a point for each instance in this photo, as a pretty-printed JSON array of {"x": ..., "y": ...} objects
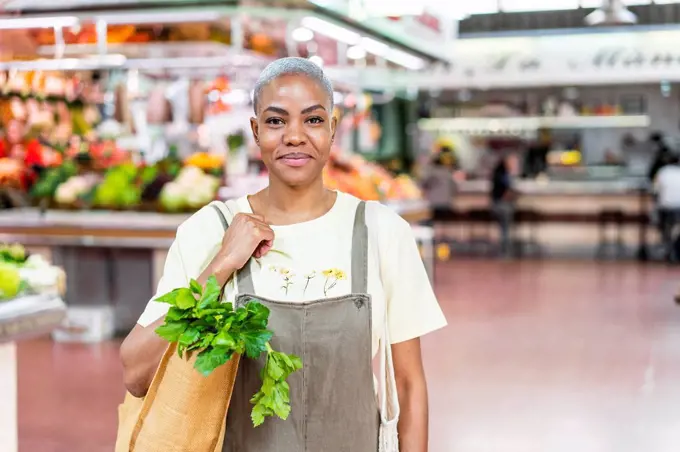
[{"x": 296, "y": 159}]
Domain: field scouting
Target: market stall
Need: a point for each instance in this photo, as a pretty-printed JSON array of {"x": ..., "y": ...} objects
[
  {"x": 30, "y": 305},
  {"x": 137, "y": 116}
]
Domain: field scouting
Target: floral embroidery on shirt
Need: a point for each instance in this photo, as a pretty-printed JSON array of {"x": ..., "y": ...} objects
[
  {"x": 308, "y": 278},
  {"x": 332, "y": 275},
  {"x": 287, "y": 276}
]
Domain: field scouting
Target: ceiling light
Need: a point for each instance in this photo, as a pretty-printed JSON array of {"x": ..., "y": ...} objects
[
  {"x": 356, "y": 53},
  {"x": 405, "y": 59},
  {"x": 375, "y": 47},
  {"x": 302, "y": 34},
  {"x": 159, "y": 18},
  {"x": 37, "y": 22},
  {"x": 331, "y": 30},
  {"x": 612, "y": 12},
  {"x": 316, "y": 59}
]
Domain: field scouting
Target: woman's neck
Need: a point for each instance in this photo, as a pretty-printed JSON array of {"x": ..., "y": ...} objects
[{"x": 282, "y": 205}]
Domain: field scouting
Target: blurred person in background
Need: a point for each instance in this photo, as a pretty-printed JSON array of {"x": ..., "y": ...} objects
[
  {"x": 662, "y": 154},
  {"x": 503, "y": 199},
  {"x": 667, "y": 187},
  {"x": 439, "y": 186}
]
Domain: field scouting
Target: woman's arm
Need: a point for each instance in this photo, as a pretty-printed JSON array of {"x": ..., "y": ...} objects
[
  {"x": 412, "y": 390},
  {"x": 142, "y": 349}
]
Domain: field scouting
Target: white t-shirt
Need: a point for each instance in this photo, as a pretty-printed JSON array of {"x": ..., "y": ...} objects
[
  {"x": 668, "y": 186},
  {"x": 317, "y": 264}
]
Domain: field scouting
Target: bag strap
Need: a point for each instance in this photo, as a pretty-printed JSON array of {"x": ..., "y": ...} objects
[{"x": 389, "y": 400}]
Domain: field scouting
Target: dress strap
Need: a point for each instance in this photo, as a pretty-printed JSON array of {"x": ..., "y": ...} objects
[
  {"x": 223, "y": 219},
  {"x": 360, "y": 251}
]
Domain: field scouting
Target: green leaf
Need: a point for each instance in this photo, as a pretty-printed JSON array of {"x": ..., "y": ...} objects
[
  {"x": 274, "y": 370},
  {"x": 255, "y": 342},
  {"x": 258, "y": 414},
  {"x": 190, "y": 335},
  {"x": 182, "y": 298},
  {"x": 175, "y": 314},
  {"x": 185, "y": 299},
  {"x": 296, "y": 360},
  {"x": 170, "y": 297},
  {"x": 171, "y": 331},
  {"x": 224, "y": 339},
  {"x": 210, "y": 359},
  {"x": 211, "y": 294},
  {"x": 196, "y": 287}
]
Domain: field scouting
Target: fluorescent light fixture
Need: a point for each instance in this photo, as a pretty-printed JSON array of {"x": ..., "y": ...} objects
[
  {"x": 316, "y": 59},
  {"x": 159, "y": 18},
  {"x": 236, "y": 97},
  {"x": 302, "y": 34},
  {"x": 331, "y": 30},
  {"x": 375, "y": 47},
  {"x": 356, "y": 53},
  {"x": 405, "y": 59},
  {"x": 338, "y": 98},
  {"x": 37, "y": 22},
  {"x": 67, "y": 64},
  {"x": 393, "y": 7}
]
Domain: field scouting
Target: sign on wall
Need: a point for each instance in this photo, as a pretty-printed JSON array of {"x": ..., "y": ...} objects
[{"x": 592, "y": 58}]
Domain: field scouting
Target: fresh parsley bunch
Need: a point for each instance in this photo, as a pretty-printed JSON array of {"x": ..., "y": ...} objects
[{"x": 197, "y": 320}]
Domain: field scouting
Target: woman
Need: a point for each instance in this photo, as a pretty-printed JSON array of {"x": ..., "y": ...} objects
[
  {"x": 333, "y": 245},
  {"x": 502, "y": 202}
]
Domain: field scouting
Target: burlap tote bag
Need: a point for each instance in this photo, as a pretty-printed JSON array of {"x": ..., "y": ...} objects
[{"x": 183, "y": 410}]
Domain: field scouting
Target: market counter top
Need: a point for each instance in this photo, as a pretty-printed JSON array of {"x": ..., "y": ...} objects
[
  {"x": 531, "y": 187},
  {"x": 121, "y": 229}
]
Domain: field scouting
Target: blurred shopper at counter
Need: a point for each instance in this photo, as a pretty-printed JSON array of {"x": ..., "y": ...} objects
[
  {"x": 439, "y": 184},
  {"x": 536, "y": 161},
  {"x": 667, "y": 184},
  {"x": 662, "y": 154},
  {"x": 503, "y": 200}
]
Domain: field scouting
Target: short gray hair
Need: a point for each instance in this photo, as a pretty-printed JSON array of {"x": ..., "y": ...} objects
[{"x": 291, "y": 66}]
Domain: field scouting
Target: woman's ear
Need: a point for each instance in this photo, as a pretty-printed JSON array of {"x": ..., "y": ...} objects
[
  {"x": 255, "y": 129},
  {"x": 334, "y": 126}
]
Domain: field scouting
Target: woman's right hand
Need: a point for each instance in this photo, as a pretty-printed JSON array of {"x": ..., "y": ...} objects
[{"x": 248, "y": 236}]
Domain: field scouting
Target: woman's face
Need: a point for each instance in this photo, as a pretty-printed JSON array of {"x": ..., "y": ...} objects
[{"x": 294, "y": 129}]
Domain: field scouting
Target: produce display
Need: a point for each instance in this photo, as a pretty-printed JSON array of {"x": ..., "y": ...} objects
[
  {"x": 368, "y": 181},
  {"x": 21, "y": 273},
  {"x": 192, "y": 190},
  {"x": 199, "y": 321}
]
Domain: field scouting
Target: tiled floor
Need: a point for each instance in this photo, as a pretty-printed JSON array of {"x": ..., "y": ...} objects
[{"x": 538, "y": 357}]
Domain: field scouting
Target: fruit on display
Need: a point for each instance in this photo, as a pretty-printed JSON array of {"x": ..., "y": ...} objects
[
  {"x": 368, "y": 181},
  {"x": 206, "y": 161},
  {"x": 12, "y": 254},
  {"x": 10, "y": 281},
  {"x": 192, "y": 189},
  {"x": 12, "y": 173},
  {"x": 120, "y": 189},
  {"x": 23, "y": 273},
  {"x": 75, "y": 188}
]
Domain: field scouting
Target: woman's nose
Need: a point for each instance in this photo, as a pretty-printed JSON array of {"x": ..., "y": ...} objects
[{"x": 294, "y": 135}]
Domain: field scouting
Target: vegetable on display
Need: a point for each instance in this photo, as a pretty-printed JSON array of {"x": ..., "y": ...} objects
[{"x": 199, "y": 321}]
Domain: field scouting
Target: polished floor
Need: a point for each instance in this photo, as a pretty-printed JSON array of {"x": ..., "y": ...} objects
[{"x": 539, "y": 357}]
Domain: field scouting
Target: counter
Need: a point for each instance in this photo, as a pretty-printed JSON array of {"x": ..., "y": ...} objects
[
  {"x": 116, "y": 258},
  {"x": 20, "y": 319},
  {"x": 570, "y": 212}
]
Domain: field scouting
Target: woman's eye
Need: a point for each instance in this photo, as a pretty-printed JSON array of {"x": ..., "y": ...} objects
[
  {"x": 274, "y": 121},
  {"x": 315, "y": 120}
]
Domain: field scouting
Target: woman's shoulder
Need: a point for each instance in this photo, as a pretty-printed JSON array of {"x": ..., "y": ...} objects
[
  {"x": 206, "y": 221},
  {"x": 379, "y": 217}
]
